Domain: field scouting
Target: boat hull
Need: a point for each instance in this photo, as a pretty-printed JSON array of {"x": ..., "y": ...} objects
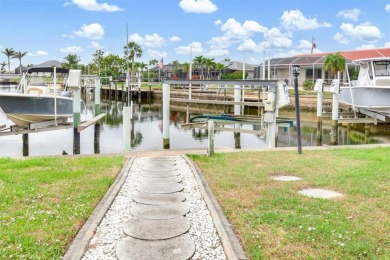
[
  {"x": 24, "y": 109},
  {"x": 375, "y": 99}
]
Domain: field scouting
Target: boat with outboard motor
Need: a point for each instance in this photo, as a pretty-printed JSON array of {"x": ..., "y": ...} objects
[
  {"x": 40, "y": 98},
  {"x": 370, "y": 93}
]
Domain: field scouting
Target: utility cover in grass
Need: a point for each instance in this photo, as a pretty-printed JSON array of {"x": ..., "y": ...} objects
[
  {"x": 286, "y": 178},
  {"x": 320, "y": 193}
]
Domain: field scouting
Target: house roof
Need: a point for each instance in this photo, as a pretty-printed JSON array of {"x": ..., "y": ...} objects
[
  {"x": 355, "y": 54},
  {"x": 50, "y": 63}
]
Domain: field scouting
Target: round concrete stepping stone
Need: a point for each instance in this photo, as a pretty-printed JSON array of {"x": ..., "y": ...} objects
[
  {"x": 286, "y": 178},
  {"x": 159, "y": 199},
  {"x": 159, "y": 168},
  {"x": 152, "y": 229},
  {"x": 320, "y": 193},
  {"x": 174, "y": 179},
  {"x": 160, "y": 164},
  {"x": 160, "y": 187},
  {"x": 158, "y": 174},
  {"x": 178, "y": 248},
  {"x": 159, "y": 211}
]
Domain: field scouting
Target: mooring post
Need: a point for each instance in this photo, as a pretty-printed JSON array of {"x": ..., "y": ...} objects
[
  {"x": 210, "y": 150},
  {"x": 74, "y": 82},
  {"x": 126, "y": 128},
  {"x": 318, "y": 87},
  {"x": 25, "y": 145},
  {"x": 97, "y": 112},
  {"x": 166, "y": 104},
  {"x": 335, "y": 89},
  {"x": 237, "y": 111}
]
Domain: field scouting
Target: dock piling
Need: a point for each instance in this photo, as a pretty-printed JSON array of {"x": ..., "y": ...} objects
[{"x": 166, "y": 104}]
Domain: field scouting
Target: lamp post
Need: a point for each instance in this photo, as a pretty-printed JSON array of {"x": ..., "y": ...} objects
[{"x": 295, "y": 71}]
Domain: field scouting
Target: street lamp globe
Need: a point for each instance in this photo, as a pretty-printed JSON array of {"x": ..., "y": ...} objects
[{"x": 295, "y": 70}]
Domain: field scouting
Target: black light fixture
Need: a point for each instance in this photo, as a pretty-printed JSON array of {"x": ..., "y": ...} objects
[{"x": 295, "y": 71}]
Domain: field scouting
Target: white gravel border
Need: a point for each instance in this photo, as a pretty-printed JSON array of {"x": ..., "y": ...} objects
[{"x": 109, "y": 232}]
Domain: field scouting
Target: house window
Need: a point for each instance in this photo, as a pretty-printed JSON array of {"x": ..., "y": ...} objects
[{"x": 309, "y": 73}]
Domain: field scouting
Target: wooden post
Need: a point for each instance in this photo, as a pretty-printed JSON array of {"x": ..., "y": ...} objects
[
  {"x": 319, "y": 88},
  {"x": 25, "y": 145},
  {"x": 74, "y": 82},
  {"x": 210, "y": 150},
  {"x": 166, "y": 104},
  {"x": 237, "y": 111},
  {"x": 97, "y": 112},
  {"x": 335, "y": 111},
  {"x": 126, "y": 128}
]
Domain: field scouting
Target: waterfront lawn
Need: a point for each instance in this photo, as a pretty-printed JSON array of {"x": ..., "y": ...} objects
[
  {"x": 45, "y": 201},
  {"x": 273, "y": 221}
]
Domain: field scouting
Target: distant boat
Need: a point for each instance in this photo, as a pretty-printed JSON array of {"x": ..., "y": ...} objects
[
  {"x": 371, "y": 91},
  {"x": 42, "y": 98}
]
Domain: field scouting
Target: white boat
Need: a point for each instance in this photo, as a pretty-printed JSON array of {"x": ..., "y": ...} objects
[
  {"x": 40, "y": 99},
  {"x": 371, "y": 91}
]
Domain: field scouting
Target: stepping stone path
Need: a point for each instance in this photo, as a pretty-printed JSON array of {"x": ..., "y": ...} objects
[{"x": 157, "y": 227}]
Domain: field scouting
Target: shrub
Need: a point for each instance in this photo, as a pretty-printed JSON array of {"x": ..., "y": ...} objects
[{"x": 308, "y": 85}]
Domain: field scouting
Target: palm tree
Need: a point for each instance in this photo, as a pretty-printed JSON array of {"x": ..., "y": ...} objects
[
  {"x": 19, "y": 55},
  {"x": 132, "y": 50},
  {"x": 3, "y": 64},
  {"x": 209, "y": 63},
  {"x": 175, "y": 66},
  {"x": 71, "y": 61},
  {"x": 185, "y": 67},
  {"x": 334, "y": 62},
  {"x": 199, "y": 61},
  {"x": 9, "y": 53},
  {"x": 220, "y": 67},
  {"x": 153, "y": 62}
]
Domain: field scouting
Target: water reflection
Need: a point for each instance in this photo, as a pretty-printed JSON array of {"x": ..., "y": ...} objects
[{"x": 146, "y": 131}]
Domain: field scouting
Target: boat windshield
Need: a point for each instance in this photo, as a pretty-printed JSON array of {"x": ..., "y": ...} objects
[{"x": 382, "y": 68}]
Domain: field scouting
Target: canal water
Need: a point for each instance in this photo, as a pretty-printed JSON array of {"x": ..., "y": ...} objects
[{"x": 146, "y": 131}]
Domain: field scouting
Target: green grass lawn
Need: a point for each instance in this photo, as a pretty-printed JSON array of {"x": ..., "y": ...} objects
[
  {"x": 45, "y": 201},
  {"x": 273, "y": 221}
]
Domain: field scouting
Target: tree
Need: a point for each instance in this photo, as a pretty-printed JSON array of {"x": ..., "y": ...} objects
[
  {"x": 98, "y": 58},
  {"x": 71, "y": 61},
  {"x": 175, "y": 66},
  {"x": 198, "y": 62},
  {"x": 220, "y": 67},
  {"x": 333, "y": 63},
  {"x": 209, "y": 63},
  {"x": 9, "y": 52},
  {"x": 19, "y": 55},
  {"x": 132, "y": 50},
  {"x": 153, "y": 62},
  {"x": 3, "y": 64}
]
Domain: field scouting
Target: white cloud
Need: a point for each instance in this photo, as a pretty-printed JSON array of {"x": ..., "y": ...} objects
[
  {"x": 71, "y": 36},
  {"x": 149, "y": 41},
  {"x": 304, "y": 44},
  {"x": 92, "y": 5},
  {"x": 352, "y": 14},
  {"x": 96, "y": 45},
  {"x": 196, "y": 48},
  {"x": 341, "y": 38},
  {"x": 153, "y": 54},
  {"x": 175, "y": 39},
  {"x": 366, "y": 47},
  {"x": 387, "y": 45},
  {"x": 218, "y": 22},
  {"x": 387, "y": 8},
  {"x": 198, "y": 6},
  {"x": 1, "y": 47},
  {"x": 217, "y": 53},
  {"x": 277, "y": 38},
  {"x": 37, "y": 53},
  {"x": 71, "y": 49},
  {"x": 221, "y": 42},
  {"x": 363, "y": 32},
  {"x": 249, "y": 45},
  {"x": 93, "y": 31},
  {"x": 235, "y": 29},
  {"x": 294, "y": 19}
]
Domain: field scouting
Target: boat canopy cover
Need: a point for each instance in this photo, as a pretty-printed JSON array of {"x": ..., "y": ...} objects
[
  {"x": 364, "y": 76},
  {"x": 47, "y": 69}
]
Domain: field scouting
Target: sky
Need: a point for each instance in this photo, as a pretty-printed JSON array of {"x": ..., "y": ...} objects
[{"x": 241, "y": 30}]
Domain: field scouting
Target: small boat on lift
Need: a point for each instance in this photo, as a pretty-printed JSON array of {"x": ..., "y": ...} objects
[
  {"x": 370, "y": 93},
  {"x": 40, "y": 99}
]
